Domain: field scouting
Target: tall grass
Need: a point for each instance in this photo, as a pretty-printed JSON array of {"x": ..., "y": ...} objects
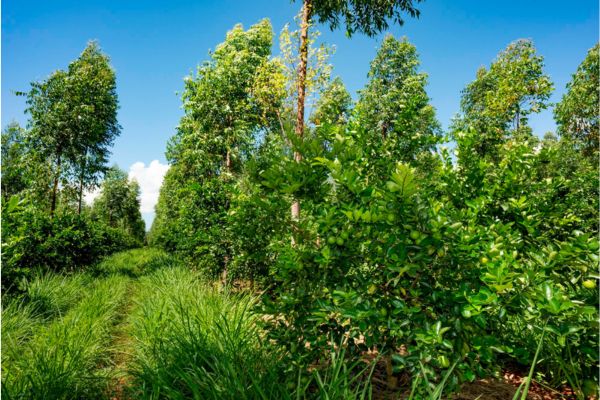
[
  {"x": 134, "y": 263},
  {"x": 46, "y": 297},
  {"x": 52, "y": 294},
  {"x": 61, "y": 360},
  {"x": 194, "y": 342}
]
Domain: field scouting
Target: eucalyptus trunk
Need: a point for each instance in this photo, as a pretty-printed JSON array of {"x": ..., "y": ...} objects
[
  {"x": 55, "y": 186},
  {"x": 81, "y": 178},
  {"x": 302, "y": 67}
]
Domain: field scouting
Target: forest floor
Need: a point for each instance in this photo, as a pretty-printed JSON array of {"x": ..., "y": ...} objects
[{"x": 133, "y": 328}]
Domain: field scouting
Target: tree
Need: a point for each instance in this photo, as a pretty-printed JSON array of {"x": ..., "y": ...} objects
[
  {"x": 369, "y": 17},
  {"x": 334, "y": 104},
  {"x": 13, "y": 164},
  {"x": 497, "y": 103},
  {"x": 73, "y": 120},
  {"x": 577, "y": 113},
  {"x": 119, "y": 204},
  {"x": 226, "y": 104},
  {"x": 92, "y": 91},
  {"x": 394, "y": 104},
  {"x": 49, "y": 132}
]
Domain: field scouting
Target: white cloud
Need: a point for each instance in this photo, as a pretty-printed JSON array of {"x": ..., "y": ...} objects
[
  {"x": 89, "y": 197},
  {"x": 150, "y": 179}
]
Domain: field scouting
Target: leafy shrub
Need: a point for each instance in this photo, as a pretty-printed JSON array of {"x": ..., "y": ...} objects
[
  {"x": 467, "y": 270},
  {"x": 33, "y": 239}
]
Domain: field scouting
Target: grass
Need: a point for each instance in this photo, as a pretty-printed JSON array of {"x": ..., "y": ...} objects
[
  {"x": 141, "y": 319},
  {"x": 61, "y": 360},
  {"x": 47, "y": 297},
  {"x": 134, "y": 263},
  {"x": 193, "y": 341}
]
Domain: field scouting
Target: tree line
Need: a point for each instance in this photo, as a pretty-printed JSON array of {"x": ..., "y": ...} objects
[
  {"x": 365, "y": 224},
  {"x": 48, "y": 167}
]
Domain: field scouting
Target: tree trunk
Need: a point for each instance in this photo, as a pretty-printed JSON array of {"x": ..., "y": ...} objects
[
  {"x": 228, "y": 161},
  {"x": 392, "y": 381},
  {"x": 55, "y": 187},
  {"x": 306, "y": 10},
  {"x": 224, "y": 273},
  {"x": 226, "y": 258},
  {"x": 81, "y": 176}
]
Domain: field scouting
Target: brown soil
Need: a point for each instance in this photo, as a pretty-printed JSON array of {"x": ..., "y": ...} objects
[{"x": 483, "y": 389}]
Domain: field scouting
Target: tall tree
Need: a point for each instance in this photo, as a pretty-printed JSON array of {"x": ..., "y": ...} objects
[
  {"x": 498, "y": 102},
  {"x": 73, "y": 120},
  {"x": 119, "y": 204},
  {"x": 92, "y": 88},
  {"x": 577, "y": 112},
  {"x": 394, "y": 103},
  {"x": 223, "y": 105},
  {"x": 49, "y": 111},
  {"x": 369, "y": 17},
  {"x": 334, "y": 104}
]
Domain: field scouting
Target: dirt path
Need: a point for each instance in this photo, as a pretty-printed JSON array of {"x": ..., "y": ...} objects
[{"x": 121, "y": 352}]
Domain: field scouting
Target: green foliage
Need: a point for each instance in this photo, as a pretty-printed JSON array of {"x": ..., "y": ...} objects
[
  {"x": 369, "y": 17},
  {"x": 394, "y": 106},
  {"x": 14, "y": 166},
  {"x": 134, "y": 263},
  {"x": 577, "y": 113},
  {"x": 118, "y": 205},
  {"x": 334, "y": 105},
  {"x": 48, "y": 166},
  {"x": 446, "y": 267},
  {"x": 496, "y": 104},
  {"x": 224, "y": 112},
  {"x": 33, "y": 240},
  {"x": 73, "y": 121},
  {"x": 461, "y": 275}
]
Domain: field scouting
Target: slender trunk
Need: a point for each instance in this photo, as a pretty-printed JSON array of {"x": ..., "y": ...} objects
[
  {"x": 280, "y": 123},
  {"x": 81, "y": 176},
  {"x": 228, "y": 161},
  {"x": 392, "y": 381},
  {"x": 55, "y": 186},
  {"x": 301, "y": 89},
  {"x": 224, "y": 274},
  {"x": 226, "y": 258}
]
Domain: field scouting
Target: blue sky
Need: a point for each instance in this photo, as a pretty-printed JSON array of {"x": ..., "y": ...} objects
[{"x": 153, "y": 44}]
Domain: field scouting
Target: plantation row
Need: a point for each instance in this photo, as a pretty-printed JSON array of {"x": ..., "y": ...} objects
[
  {"x": 370, "y": 237},
  {"x": 48, "y": 166},
  {"x": 141, "y": 325},
  {"x": 450, "y": 255}
]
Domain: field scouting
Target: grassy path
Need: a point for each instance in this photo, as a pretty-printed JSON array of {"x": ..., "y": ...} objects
[
  {"x": 142, "y": 326},
  {"x": 121, "y": 347},
  {"x": 60, "y": 357},
  {"x": 67, "y": 336},
  {"x": 137, "y": 326}
]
